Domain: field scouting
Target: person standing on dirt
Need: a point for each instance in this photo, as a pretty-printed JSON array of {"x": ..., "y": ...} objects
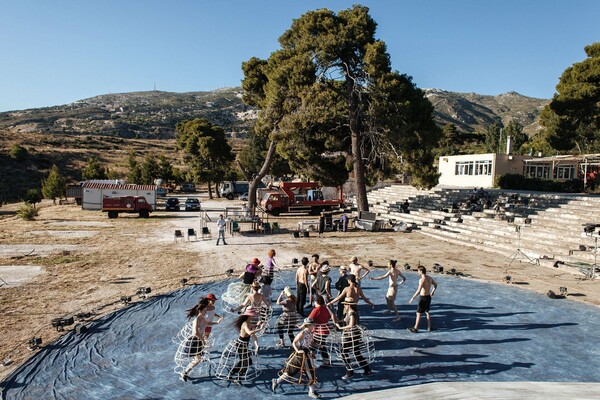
[
  {"x": 424, "y": 289},
  {"x": 221, "y": 223},
  {"x": 301, "y": 286},
  {"x": 321, "y": 224}
]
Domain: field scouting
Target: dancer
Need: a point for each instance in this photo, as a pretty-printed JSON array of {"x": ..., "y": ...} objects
[
  {"x": 254, "y": 299},
  {"x": 193, "y": 345},
  {"x": 340, "y": 285},
  {"x": 356, "y": 268},
  {"x": 270, "y": 266},
  {"x": 237, "y": 350},
  {"x": 301, "y": 286},
  {"x": 237, "y": 291},
  {"x": 299, "y": 368},
  {"x": 313, "y": 274},
  {"x": 322, "y": 285},
  {"x": 289, "y": 317},
  {"x": 321, "y": 316},
  {"x": 353, "y": 292},
  {"x": 210, "y": 314},
  {"x": 353, "y": 341},
  {"x": 392, "y": 274},
  {"x": 426, "y": 292}
]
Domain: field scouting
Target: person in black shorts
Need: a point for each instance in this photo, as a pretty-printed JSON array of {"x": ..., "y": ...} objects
[{"x": 425, "y": 290}]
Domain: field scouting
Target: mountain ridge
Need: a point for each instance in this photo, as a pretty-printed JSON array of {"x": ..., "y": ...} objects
[{"x": 154, "y": 114}]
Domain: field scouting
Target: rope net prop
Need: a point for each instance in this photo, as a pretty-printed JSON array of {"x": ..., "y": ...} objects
[
  {"x": 234, "y": 297},
  {"x": 237, "y": 363},
  {"x": 299, "y": 369},
  {"x": 192, "y": 349},
  {"x": 356, "y": 348}
]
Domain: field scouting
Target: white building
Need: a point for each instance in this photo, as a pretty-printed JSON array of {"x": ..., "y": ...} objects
[
  {"x": 94, "y": 192},
  {"x": 478, "y": 170}
]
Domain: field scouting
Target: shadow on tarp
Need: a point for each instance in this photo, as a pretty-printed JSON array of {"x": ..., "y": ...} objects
[{"x": 482, "y": 332}]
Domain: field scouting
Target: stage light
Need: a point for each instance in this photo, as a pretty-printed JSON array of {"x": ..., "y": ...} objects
[
  {"x": 81, "y": 328},
  {"x": 438, "y": 268},
  {"x": 142, "y": 292},
  {"x": 294, "y": 261},
  {"x": 370, "y": 262},
  {"x": 229, "y": 272},
  {"x": 34, "y": 343},
  {"x": 407, "y": 267},
  {"x": 508, "y": 279},
  {"x": 60, "y": 323},
  {"x": 82, "y": 316},
  {"x": 452, "y": 271},
  {"x": 7, "y": 361},
  {"x": 125, "y": 299},
  {"x": 183, "y": 282},
  {"x": 563, "y": 291}
]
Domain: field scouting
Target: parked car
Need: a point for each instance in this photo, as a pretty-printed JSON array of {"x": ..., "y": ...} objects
[
  {"x": 172, "y": 204},
  {"x": 161, "y": 191},
  {"x": 192, "y": 204},
  {"x": 188, "y": 187},
  {"x": 244, "y": 197}
]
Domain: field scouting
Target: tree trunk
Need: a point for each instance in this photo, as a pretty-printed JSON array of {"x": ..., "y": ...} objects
[
  {"x": 357, "y": 157},
  {"x": 257, "y": 178},
  {"x": 210, "y": 196}
]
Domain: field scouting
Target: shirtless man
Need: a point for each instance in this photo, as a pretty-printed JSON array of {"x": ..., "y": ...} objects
[
  {"x": 301, "y": 286},
  {"x": 352, "y": 291},
  {"x": 356, "y": 268},
  {"x": 313, "y": 271},
  {"x": 426, "y": 292},
  {"x": 393, "y": 274}
]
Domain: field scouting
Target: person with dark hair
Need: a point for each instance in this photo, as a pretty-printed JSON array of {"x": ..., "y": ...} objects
[
  {"x": 321, "y": 224},
  {"x": 340, "y": 285},
  {"x": 425, "y": 291},
  {"x": 353, "y": 341},
  {"x": 193, "y": 343},
  {"x": 210, "y": 314},
  {"x": 392, "y": 274},
  {"x": 289, "y": 317},
  {"x": 299, "y": 368},
  {"x": 240, "y": 346},
  {"x": 221, "y": 224},
  {"x": 301, "y": 286},
  {"x": 353, "y": 292},
  {"x": 321, "y": 315}
]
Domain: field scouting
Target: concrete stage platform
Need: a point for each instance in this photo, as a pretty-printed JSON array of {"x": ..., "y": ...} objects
[{"x": 489, "y": 340}]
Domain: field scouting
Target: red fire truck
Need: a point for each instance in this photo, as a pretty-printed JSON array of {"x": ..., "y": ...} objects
[
  {"x": 126, "y": 204},
  {"x": 299, "y": 197}
]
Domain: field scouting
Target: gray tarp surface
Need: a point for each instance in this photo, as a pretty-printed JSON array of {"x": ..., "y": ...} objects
[{"x": 483, "y": 332}]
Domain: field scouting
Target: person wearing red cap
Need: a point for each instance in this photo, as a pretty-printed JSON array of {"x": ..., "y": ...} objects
[
  {"x": 192, "y": 347},
  {"x": 210, "y": 314}
]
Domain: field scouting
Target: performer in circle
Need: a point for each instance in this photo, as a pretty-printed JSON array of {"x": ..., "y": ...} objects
[
  {"x": 236, "y": 360},
  {"x": 299, "y": 368},
  {"x": 191, "y": 349},
  {"x": 237, "y": 291},
  {"x": 354, "y": 342},
  {"x": 286, "y": 323}
]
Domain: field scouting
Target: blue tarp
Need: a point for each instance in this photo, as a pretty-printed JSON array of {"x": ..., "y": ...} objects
[{"x": 483, "y": 332}]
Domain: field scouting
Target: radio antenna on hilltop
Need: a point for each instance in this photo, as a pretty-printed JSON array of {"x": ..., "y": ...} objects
[{"x": 155, "y": 86}]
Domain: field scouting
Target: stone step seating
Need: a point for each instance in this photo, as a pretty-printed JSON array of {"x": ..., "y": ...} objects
[{"x": 555, "y": 230}]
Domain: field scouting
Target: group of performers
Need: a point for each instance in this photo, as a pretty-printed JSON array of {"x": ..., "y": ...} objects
[{"x": 322, "y": 332}]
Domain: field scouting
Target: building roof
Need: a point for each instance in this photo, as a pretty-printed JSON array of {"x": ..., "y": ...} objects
[
  {"x": 581, "y": 158},
  {"x": 91, "y": 185}
]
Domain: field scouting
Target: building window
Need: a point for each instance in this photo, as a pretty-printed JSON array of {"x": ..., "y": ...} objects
[
  {"x": 483, "y": 167},
  {"x": 565, "y": 172}
]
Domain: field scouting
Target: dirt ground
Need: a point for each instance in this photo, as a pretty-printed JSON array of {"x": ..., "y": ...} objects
[{"x": 88, "y": 262}]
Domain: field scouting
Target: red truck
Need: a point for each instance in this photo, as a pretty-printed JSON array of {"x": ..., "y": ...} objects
[
  {"x": 126, "y": 204},
  {"x": 298, "y": 197}
]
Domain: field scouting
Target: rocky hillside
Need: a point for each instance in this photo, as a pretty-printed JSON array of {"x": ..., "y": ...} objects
[
  {"x": 154, "y": 114},
  {"x": 147, "y": 115},
  {"x": 472, "y": 112}
]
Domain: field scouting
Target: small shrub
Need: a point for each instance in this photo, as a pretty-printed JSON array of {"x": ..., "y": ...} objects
[
  {"x": 18, "y": 152},
  {"x": 520, "y": 182},
  {"x": 27, "y": 211}
]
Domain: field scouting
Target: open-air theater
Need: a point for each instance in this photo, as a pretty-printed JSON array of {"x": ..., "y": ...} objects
[{"x": 491, "y": 340}]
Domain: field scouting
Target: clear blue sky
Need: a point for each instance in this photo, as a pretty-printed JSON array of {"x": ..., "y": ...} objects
[{"x": 56, "y": 52}]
